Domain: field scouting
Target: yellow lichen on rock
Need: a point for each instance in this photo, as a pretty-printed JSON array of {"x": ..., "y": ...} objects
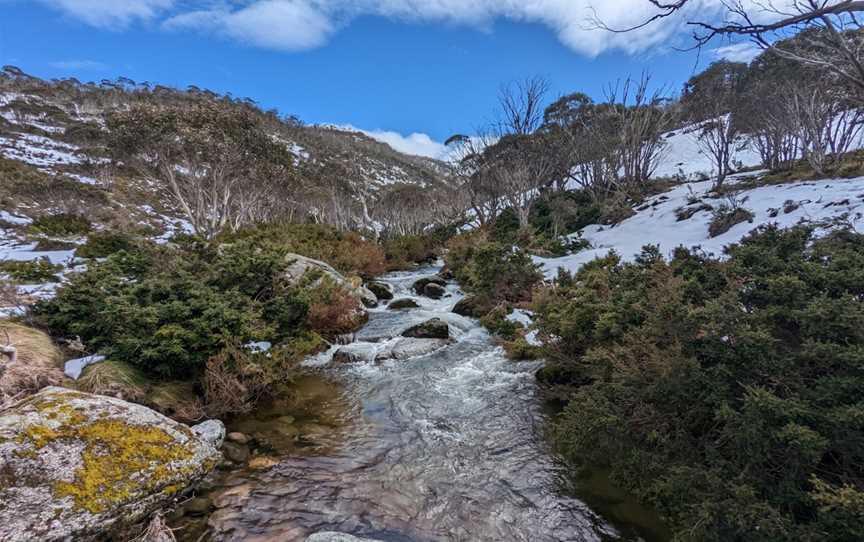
[
  {"x": 115, "y": 453},
  {"x": 74, "y": 466}
]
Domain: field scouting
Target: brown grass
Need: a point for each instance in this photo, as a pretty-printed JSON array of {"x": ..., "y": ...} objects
[
  {"x": 39, "y": 363},
  {"x": 115, "y": 379}
]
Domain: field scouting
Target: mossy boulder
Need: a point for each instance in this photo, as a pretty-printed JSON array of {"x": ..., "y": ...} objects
[
  {"x": 431, "y": 329},
  {"x": 299, "y": 266},
  {"x": 471, "y": 306},
  {"x": 76, "y": 466}
]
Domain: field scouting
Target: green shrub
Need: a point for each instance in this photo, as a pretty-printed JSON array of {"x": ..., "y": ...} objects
[
  {"x": 494, "y": 272},
  {"x": 505, "y": 228},
  {"x": 497, "y": 323},
  {"x": 31, "y": 271},
  {"x": 727, "y": 394},
  {"x": 725, "y": 217},
  {"x": 63, "y": 224},
  {"x": 348, "y": 252},
  {"x": 51, "y": 245},
  {"x": 564, "y": 212},
  {"x": 167, "y": 310},
  {"x": 105, "y": 243},
  {"x": 521, "y": 350}
]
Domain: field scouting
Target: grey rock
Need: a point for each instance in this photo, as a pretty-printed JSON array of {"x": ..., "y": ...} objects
[
  {"x": 238, "y": 453},
  {"x": 212, "y": 431},
  {"x": 337, "y": 537},
  {"x": 431, "y": 329},
  {"x": 299, "y": 265},
  {"x": 403, "y": 304},
  {"x": 76, "y": 466},
  {"x": 355, "y": 353},
  {"x": 434, "y": 291},
  {"x": 469, "y": 306},
  {"x": 420, "y": 285},
  {"x": 411, "y": 348},
  {"x": 381, "y": 291},
  {"x": 238, "y": 437}
]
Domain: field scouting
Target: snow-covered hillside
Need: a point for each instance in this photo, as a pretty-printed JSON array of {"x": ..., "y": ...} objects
[{"x": 824, "y": 204}]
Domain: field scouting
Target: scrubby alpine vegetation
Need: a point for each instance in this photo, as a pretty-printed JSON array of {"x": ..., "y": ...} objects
[
  {"x": 725, "y": 393},
  {"x": 685, "y": 272}
]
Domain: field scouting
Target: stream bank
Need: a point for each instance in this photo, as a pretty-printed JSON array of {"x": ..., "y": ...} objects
[{"x": 445, "y": 446}]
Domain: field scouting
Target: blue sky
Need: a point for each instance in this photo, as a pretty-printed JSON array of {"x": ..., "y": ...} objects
[{"x": 423, "y": 67}]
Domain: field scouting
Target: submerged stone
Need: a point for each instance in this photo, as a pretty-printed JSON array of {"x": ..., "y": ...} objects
[{"x": 337, "y": 537}]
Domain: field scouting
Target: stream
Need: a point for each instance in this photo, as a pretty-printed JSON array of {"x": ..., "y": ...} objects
[{"x": 442, "y": 447}]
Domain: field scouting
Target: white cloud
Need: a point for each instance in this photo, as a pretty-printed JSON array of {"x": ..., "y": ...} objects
[
  {"x": 294, "y": 25},
  {"x": 79, "y": 65},
  {"x": 417, "y": 144},
  {"x": 737, "y": 52},
  {"x": 287, "y": 25},
  {"x": 110, "y": 13}
]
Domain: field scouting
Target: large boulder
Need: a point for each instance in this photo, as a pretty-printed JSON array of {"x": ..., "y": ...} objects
[
  {"x": 299, "y": 266},
  {"x": 411, "y": 348},
  {"x": 434, "y": 291},
  {"x": 356, "y": 353},
  {"x": 381, "y": 291},
  {"x": 398, "y": 350},
  {"x": 73, "y": 466},
  {"x": 431, "y": 329},
  {"x": 419, "y": 286},
  {"x": 469, "y": 306}
]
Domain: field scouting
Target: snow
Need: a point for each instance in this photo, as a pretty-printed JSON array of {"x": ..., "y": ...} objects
[
  {"x": 683, "y": 158},
  {"x": 6, "y": 216},
  {"x": 298, "y": 151},
  {"x": 39, "y": 151},
  {"x": 521, "y": 316},
  {"x": 9, "y": 250},
  {"x": 74, "y": 367},
  {"x": 83, "y": 179},
  {"x": 258, "y": 347},
  {"x": 819, "y": 202}
]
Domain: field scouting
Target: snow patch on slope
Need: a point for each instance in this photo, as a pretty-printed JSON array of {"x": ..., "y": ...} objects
[{"x": 820, "y": 203}]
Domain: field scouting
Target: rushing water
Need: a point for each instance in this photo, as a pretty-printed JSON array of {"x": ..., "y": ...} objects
[{"x": 444, "y": 447}]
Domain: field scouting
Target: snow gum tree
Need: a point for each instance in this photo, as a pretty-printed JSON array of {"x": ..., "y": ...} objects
[{"x": 222, "y": 169}]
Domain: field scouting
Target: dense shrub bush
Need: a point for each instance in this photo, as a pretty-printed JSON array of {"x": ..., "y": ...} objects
[
  {"x": 348, "y": 252},
  {"x": 728, "y": 394},
  {"x": 63, "y": 224},
  {"x": 565, "y": 212},
  {"x": 332, "y": 310},
  {"x": 169, "y": 309},
  {"x": 493, "y": 271},
  {"x": 105, "y": 243},
  {"x": 31, "y": 271}
]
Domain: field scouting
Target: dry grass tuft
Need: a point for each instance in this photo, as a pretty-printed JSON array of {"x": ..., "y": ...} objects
[
  {"x": 38, "y": 364},
  {"x": 115, "y": 379}
]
